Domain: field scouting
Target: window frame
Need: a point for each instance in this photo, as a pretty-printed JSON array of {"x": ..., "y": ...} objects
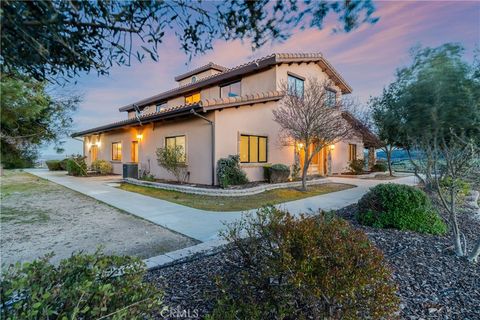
[
  {"x": 334, "y": 92},
  {"x": 175, "y": 137},
  {"x": 297, "y": 78},
  {"x": 191, "y": 95},
  {"x": 157, "y": 109},
  {"x": 258, "y": 147},
  {"x": 352, "y": 155},
  {"x": 229, "y": 84},
  {"x": 118, "y": 159}
]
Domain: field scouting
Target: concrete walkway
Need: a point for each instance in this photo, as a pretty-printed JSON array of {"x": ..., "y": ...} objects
[{"x": 199, "y": 224}]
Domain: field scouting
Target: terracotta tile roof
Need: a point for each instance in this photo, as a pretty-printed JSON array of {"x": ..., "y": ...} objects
[
  {"x": 246, "y": 68},
  {"x": 206, "y": 67}
]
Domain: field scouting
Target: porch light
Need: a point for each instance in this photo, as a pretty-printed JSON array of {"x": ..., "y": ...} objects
[
  {"x": 98, "y": 144},
  {"x": 89, "y": 145},
  {"x": 300, "y": 145},
  {"x": 332, "y": 147},
  {"x": 139, "y": 136}
]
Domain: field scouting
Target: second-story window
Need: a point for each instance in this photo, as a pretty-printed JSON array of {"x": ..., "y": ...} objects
[
  {"x": 230, "y": 90},
  {"x": 331, "y": 98},
  {"x": 295, "y": 86},
  {"x": 193, "y": 98},
  {"x": 160, "y": 106}
]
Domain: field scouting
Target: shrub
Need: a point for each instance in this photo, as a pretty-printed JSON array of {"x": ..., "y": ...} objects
[
  {"x": 379, "y": 167},
  {"x": 296, "y": 171},
  {"x": 102, "y": 166},
  {"x": 81, "y": 287},
  {"x": 303, "y": 268},
  {"x": 76, "y": 166},
  {"x": 54, "y": 165},
  {"x": 279, "y": 173},
  {"x": 400, "y": 207},
  {"x": 357, "y": 166},
  {"x": 173, "y": 160},
  {"x": 63, "y": 164},
  {"x": 266, "y": 172},
  {"x": 229, "y": 171}
]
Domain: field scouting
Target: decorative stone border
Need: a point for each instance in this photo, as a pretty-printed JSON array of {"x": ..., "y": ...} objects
[{"x": 223, "y": 192}]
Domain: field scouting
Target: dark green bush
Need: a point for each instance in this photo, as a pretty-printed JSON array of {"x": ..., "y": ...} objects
[
  {"x": 80, "y": 287},
  {"x": 54, "y": 165},
  {"x": 76, "y": 166},
  {"x": 279, "y": 173},
  {"x": 229, "y": 171},
  {"x": 303, "y": 268},
  {"x": 63, "y": 164},
  {"x": 357, "y": 166},
  {"x": 266, "y": 172},
  {"x": 379, "y": 167},
  {"x": 400, "y": 207}
]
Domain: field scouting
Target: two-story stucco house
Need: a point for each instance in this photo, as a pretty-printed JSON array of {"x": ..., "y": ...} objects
[{"x": 217, "y": 111}]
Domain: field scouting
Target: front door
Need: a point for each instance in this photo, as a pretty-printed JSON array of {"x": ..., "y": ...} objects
[{"x": 94, "y": 152}]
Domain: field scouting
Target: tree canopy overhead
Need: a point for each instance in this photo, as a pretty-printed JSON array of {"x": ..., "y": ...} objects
[{"x": 56, "y": 40}]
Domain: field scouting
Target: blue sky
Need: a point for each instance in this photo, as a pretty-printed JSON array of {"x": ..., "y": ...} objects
[{"x": 366, "y": 58}]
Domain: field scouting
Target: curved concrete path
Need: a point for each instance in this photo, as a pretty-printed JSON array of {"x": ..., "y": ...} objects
[{"x": 199, "y": 224}]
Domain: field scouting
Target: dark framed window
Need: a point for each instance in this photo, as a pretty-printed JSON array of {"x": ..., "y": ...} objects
[
  {"x": 331, "y": 98},
  {"x": 116, "y": 151},
  {"x": 160, "y": 106},
  {"x": 230, "y": 90},
  {"x": 295, "y": 85},
  {"x": 352, "y": 152},
  {"x": 253, "y": 148},
  {"x": 178, "y": 141}
]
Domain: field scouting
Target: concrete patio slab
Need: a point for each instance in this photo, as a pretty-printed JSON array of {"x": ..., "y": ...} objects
[{"x": 199, "y": 224}]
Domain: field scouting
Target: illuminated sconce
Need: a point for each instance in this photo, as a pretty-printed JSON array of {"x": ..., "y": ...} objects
[
  {"x": 98, "y": 144},
  {"x": 300, "y": 146},
  {"x": 139, "y": 136},
  {"x": 332, "y": 147},
  {"x": 89, "y": 145}
]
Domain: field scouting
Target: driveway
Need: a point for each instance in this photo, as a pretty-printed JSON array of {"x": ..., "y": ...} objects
[{"x": 198, "y": 224}]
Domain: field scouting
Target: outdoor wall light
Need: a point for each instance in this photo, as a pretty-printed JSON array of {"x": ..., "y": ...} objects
[
  {"x": 332, "y": 146},
  {"x": 139, "y": 136},
  {"x": 98, "y": 144},
  {"x": 300, "y": 145}
]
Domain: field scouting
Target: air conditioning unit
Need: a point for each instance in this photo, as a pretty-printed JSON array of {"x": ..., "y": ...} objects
[{"x": 130, "y": 170}]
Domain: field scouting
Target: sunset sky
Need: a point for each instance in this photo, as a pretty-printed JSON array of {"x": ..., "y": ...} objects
[{"x": 366, "y": 58}]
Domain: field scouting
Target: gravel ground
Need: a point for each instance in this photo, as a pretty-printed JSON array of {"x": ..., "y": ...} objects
[
  {"x": 38, "y": 217},
  {"x": 433, "y": 284}
]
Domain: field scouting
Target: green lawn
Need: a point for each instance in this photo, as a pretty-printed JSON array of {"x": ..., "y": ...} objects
[{"x": 235, "y": 203}]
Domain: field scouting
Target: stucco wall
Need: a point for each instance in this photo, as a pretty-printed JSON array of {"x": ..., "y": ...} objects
[{"x": 254, "y": 120}]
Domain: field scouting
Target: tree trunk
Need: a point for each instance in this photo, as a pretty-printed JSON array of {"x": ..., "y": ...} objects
[
  {"x": 475, "y": 253},
  {"x": 306, "y": 163},
  {"x": 388, "y": 151},
  {"x": 456, "y": 230}
]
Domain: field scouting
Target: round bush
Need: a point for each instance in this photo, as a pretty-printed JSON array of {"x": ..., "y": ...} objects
[
  {"x": 54, "y": 165},
  {"x": 379, "y": 167},
  {"x": 279, "y": 173},
  {"x": 400, "y": 207},
  {"x": 102, "y": 166},
  {"x": 76, "y": 166},
  {"x": 302, "y": 268}
]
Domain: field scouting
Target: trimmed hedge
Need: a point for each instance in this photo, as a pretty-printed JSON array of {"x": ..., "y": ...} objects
[
  {"x": 278, "y": 173},
  {"x": 54, "y": 165},
  {"x": 357, "y": 166},
  {"x": 400, "y": 207},
  {"x": 379, "y": 167}
]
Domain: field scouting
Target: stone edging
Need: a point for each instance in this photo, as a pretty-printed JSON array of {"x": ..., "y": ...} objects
[
  {"x": 185, "y": 255},
  {"x": 223, "y": 192}
]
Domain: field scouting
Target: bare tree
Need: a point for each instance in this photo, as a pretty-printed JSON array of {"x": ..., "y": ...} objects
[
  {"x": 309, "y": 118},
  {"x": 454, "y": 161}
]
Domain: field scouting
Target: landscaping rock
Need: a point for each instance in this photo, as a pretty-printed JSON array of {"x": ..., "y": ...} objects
[{"x": 433, "y": 283}]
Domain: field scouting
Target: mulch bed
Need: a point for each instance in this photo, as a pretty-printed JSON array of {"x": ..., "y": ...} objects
[{"x": 433, "y": 283}]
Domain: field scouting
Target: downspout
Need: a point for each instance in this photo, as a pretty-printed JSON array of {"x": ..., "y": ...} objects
[{"x": 212, "y": 125}]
